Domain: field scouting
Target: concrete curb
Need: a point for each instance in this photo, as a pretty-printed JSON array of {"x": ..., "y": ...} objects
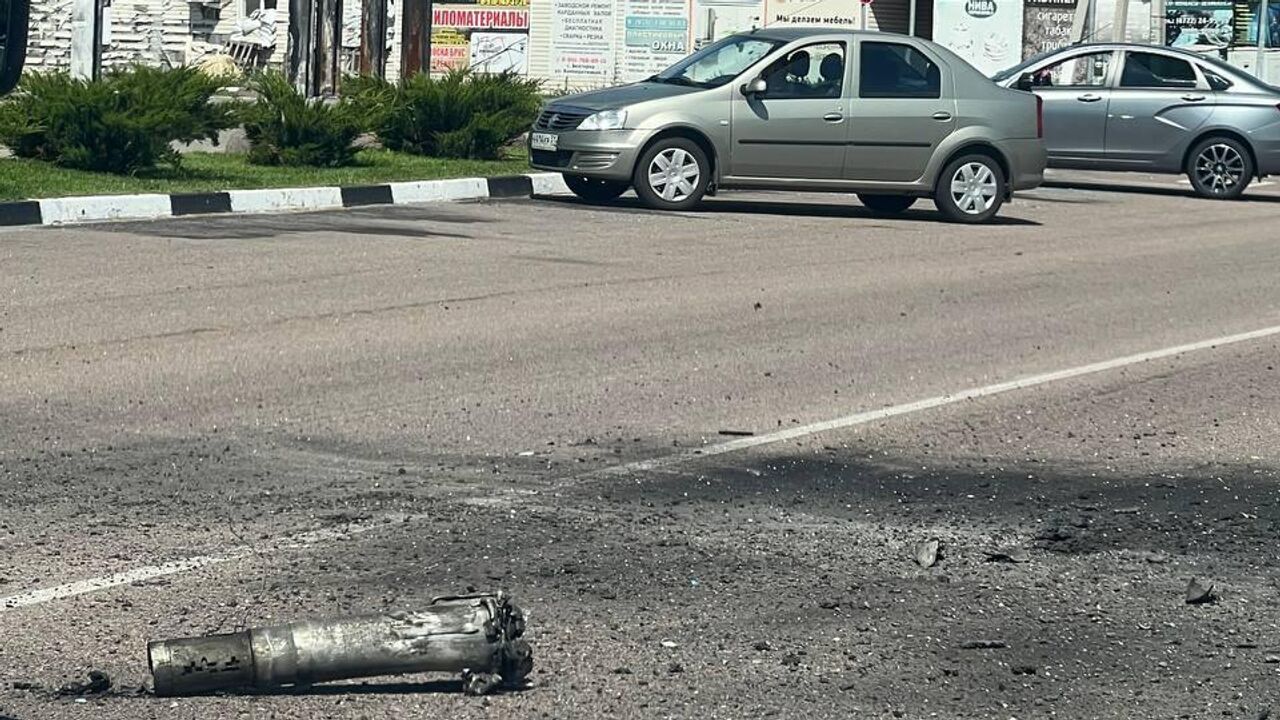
[{"x": 70, "y": 210}]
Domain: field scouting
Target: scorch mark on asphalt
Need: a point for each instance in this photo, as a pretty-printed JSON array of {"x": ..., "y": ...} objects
[{"x": 80, "y": 587}]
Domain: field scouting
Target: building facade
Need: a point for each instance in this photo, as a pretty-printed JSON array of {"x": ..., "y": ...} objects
[{"x": 573, "y": 44}]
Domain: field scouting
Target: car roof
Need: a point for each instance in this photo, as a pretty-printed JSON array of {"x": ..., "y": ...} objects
[{"x": 1157, "y": 49}]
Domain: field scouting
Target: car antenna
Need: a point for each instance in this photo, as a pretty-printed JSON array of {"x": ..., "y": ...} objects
[{"x": 1086, "y": 38}]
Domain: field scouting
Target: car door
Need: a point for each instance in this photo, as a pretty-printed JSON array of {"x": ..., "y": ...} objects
[
  {"x": 795, "y": 128},
  {"x": 1158, "y": 104},
  {"x": 903, "y": 109},
  {"x": 1076, "y": 91}
]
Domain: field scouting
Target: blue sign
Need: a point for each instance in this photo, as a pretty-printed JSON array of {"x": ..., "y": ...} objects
[{"x": 659, "y": 34}]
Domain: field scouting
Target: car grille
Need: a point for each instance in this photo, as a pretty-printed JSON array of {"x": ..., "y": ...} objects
[
  {"x": 560, "y": 119},
  {"x": 547, "y": 158}
]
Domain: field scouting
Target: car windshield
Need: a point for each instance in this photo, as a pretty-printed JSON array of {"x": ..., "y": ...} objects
[{"x": 718, "y": 63}]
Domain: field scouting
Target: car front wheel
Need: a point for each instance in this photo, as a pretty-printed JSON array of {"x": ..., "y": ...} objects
[
  {"x": 1220, "y": 168},
  {"x": 672, "y": 174},
  {"x": 886, "y": 204},
  {"x": 971, "y": 189},
  {"x": 593, "y": 190}
]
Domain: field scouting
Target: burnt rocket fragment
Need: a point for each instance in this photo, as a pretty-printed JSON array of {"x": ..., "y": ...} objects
[{"x": 479, "y": 636}]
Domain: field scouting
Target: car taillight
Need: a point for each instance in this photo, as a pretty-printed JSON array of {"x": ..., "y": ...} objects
[{"x": 1039, "y": 117}]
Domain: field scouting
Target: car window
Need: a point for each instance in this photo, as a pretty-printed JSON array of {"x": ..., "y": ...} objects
[
  {"x": 813, "y": 71},
  {"x": 894, "y": 70},
  {"x": 1088, "y": 70},
  {"x": 1216, "y": 81},
  {"x": 1148, "y": 70}
]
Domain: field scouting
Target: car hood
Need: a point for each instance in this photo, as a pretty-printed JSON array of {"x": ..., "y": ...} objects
[{"x": 622, "y": 96}]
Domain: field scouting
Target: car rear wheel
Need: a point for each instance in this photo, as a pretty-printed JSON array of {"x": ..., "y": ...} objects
[
  {"x": 886, "y": 204},
  {"x": 970, "y": 189},
  {"x": 1220, "y": 168},
  {"x": 672, "y": 174},
  {"x": 593, "y": 190}
]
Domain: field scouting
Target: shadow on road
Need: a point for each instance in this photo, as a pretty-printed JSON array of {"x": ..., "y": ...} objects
[
  {"x": 1219, "y": 510},
  {"x": 786, "y": 209},
  {"x": 426, "y": 687},
  {"x": 1149, "y": 190}
]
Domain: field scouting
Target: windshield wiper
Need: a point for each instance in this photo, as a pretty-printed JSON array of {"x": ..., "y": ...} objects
[{"x": 675, "y": 80}]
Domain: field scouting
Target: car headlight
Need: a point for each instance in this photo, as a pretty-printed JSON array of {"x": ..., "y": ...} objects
[{"x": 605, "y": 120}]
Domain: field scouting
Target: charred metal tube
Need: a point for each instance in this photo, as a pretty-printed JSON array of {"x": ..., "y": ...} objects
[{"x": 479, "y": 636}]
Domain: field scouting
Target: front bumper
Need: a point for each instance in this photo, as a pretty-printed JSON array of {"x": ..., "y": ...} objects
[
  {"x": 600, "y": 154},
  {"x": 1027, "y": 160}
]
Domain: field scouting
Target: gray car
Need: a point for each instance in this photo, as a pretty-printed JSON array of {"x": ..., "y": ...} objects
[
  {"x": 1143, "y": 108},
  {"x": 888, "y": 117}
]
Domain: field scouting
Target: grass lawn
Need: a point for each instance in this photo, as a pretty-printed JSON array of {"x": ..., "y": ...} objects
[{"x": 29, "y": 179}]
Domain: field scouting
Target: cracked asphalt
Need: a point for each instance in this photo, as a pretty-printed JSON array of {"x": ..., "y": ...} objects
[{"x": 356, "y": 411}]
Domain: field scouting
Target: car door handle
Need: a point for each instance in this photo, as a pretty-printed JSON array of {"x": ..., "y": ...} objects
[
  {"x": 833, "y": 117},
  {"x": 942, "y": 116},
  {"x": 1193, "y": 98},
  {"x": 1089, "y": 97}
]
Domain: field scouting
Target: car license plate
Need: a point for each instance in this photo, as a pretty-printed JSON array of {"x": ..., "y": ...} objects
[{"x": 544, "y": 141}]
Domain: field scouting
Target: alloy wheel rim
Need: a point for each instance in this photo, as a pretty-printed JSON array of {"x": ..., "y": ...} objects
[
  {"x": 974, "y": 188},
  {"x": 674, "y": 174},
  {"x": 1219, "y": 169}
]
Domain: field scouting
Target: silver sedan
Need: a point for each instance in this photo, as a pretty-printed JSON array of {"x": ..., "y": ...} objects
[{"x": 1152, "y": 109}]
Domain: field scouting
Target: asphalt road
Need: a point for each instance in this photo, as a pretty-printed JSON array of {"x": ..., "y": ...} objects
[{"x": 352, "y": 411}]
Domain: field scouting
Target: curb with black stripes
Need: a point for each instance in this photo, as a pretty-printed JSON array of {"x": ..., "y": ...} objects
[{"x": 27, "y": 212}]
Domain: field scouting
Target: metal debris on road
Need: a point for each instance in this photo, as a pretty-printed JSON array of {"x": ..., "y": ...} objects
[
  {"x": 1013, "y": 555},
  {"x": 1199, "y": 594},
  {"x": 478, "y": 636},
  {"x": 97, "y": 684},
  {"x": 984, "y": 645}
]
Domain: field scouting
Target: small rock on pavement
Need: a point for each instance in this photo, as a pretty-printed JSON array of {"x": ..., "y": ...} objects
[
  {"x": 927, "y": 553},
  {"x": 1199, "y": 593},
  {"x": 791, "y": 660},
  {"x": 1271, "y": 659},
  {"x": 675, "y": 668},
  {"x": 762, "y": 645},
  {"x": 669, "y": 645}
]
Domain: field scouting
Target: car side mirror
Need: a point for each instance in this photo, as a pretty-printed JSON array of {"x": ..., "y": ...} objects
[
  {"x": 1026, "y": 81},
  {"x": 755, "y": 87}
]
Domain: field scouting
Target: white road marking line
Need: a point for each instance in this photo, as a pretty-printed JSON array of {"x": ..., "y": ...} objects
[
  {"x": 149, "y": 572},
  {"x": 80, "y": 587},
  {"x": 871, "y": 416}
]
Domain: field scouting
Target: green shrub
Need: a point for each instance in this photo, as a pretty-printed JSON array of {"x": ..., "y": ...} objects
[
  {"x": 285, "y": 128},
  {"x": 458, "y": 115},
  {"x": 122, "y": 123}
]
